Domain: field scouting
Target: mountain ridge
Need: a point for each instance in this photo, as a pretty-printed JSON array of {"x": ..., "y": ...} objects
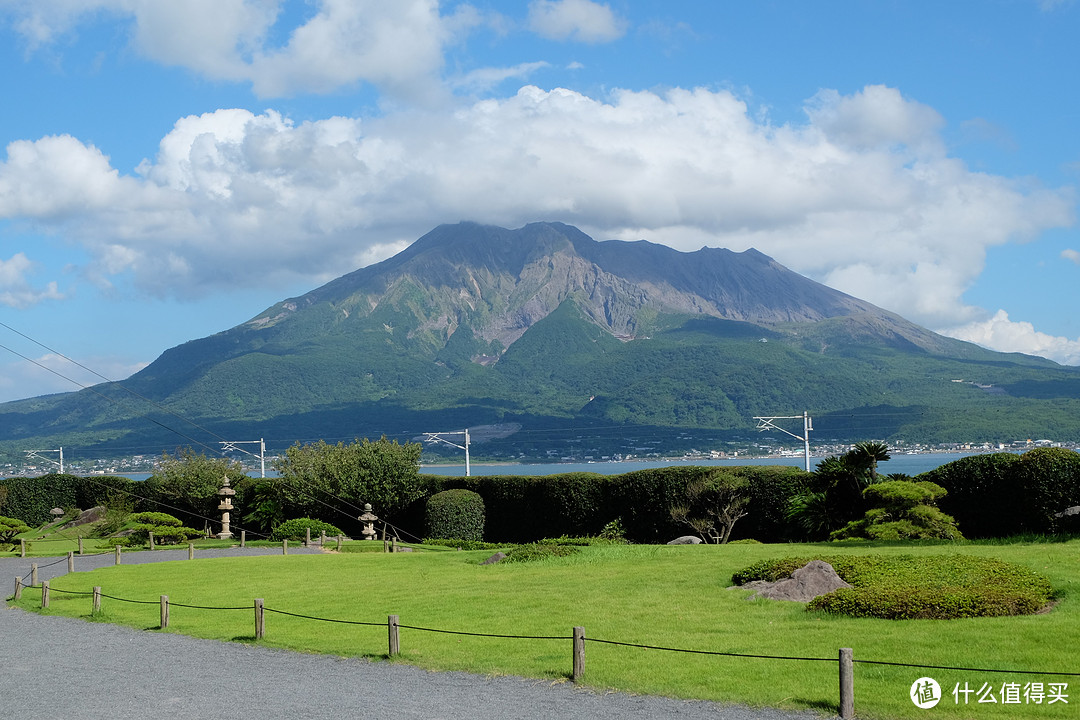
[{"x": 542, "y": 326}]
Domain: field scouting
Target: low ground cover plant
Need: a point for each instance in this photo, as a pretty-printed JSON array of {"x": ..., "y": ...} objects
[{"x": 906, "y": 587}]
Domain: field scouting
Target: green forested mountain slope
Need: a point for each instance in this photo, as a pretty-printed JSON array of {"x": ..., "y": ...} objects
[{"x": 547, "y": 328}]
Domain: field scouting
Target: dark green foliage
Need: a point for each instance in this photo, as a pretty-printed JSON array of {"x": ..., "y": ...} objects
[
  {"x": 455, "y": 513},
  {"x": 981, "y": 495},
  {"x": 10, "y": 527},
  {"x": 1003, "y": 494},
  {"x": 317, "y": 478},
  {"x": 32, "y": 498},
  {"x": 902, "y": 510},
  {"x": 156, "y": 518},
  {"x": 459, "y": 544},
  {"x": 1050, "y": 483},
  {"x": 188, "y": 482},
  {"x": 834, "y": 496},
  {"x": 713, "y": 505},
  {"x": 896, "y": 587},
  {"x": 167, "y": 530},
  {"x": 521, "y": 508},
  {"x": 296, "y": 529},
  {"x": 533, "y": 552}
]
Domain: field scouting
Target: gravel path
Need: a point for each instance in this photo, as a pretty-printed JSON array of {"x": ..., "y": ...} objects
[{"x": 57, "y": 668}]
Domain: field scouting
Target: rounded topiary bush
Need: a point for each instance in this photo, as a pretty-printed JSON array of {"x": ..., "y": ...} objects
[
  {"x": 296, "y": 529},
  {"x": 457, "y": 514},
  {"x": 902, "y": 587}
]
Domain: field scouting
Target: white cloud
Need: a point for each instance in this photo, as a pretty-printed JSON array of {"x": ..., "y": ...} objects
[
  {"x": 51, "y": 373},
  {"x": 1071, "y": 255},
  {"x": 15, "y": 288},
  {"x": 861, "y": 196},
  {"x": 580, "y": 20},
  {"x": 1002, "y": 334},
  {"x": 396, "y": 46},
  {"x": 487, "y": 78}
]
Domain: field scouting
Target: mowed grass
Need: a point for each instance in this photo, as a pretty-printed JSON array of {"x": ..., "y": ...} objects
[{"x": 668, "y": 596}]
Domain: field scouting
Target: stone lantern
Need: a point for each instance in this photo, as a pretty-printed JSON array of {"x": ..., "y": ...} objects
[
  {"x": 368, "y": 518},
  {"x": 226, "y": 506}
]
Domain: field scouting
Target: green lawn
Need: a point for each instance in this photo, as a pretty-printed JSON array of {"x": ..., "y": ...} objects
[{"x": 669, "y": 596}]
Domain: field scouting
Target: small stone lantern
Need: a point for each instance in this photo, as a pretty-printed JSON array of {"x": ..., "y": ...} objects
[
  {"x": 368, "y": 518},
  {"x": 226, "y": 506}
]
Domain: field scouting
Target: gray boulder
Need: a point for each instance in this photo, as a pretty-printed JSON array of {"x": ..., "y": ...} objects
[
  {"x": 497, "y": 557},
  {"x": 686, "y": 540},
  {"x": 808, "y": 582}
]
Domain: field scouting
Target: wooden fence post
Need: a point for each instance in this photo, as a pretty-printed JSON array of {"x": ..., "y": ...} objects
[
  {"x": 151, "y": 540},
  {"x": 847, "y": 685},
  {"x": 71, "y": 561},
  {"x": 22, "y": 547},
  {"x": 385, "y": 545},
  {"x": 307, "y": 537},
  {"x": 191, "y": 551},
  {"x": 96, "y": 607},
  {"x": 18, "y": 588},
  {"x": 80, "y": 545},
  {"x": 260, "y": 619},
  {"x": 243, "y": 538},
  {"x": 117, "y": 560},
  {"x": 45, "y": 594},
  {"x": 284, "y": 547},
  {"x": 579, "y": 654},
  {"x": 33, "y": 574},
  {"x": 393, "y": 544},
  {"x": 322, "y": 537},
  {"x": 164, "y": 611},
  {"x": 339, "y": 543},
  {"x": 392, "y": 630}
]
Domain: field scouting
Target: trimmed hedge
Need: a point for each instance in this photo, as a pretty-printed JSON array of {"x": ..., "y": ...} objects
[
  {"x": 31, "y": 499},
  {"x": 1002, "y": 494},
  {"x": 296, "y": 529},
  {"x": 905, "y": 587},
  {"x": 522, "y": 509},
  {"x": 456, "y": 513}
]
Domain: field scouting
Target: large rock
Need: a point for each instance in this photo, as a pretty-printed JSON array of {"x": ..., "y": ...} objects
[
  {"x": 86, "y": 516},
  {"x": 811, "y": 580},
  {"x": 686, "y": 540}
]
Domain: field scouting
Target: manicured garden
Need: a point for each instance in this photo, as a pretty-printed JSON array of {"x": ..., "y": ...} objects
[{"x": 663, "y": 596}]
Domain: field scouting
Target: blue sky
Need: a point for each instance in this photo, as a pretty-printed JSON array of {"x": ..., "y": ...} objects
[{"x": 169, "y": 170}]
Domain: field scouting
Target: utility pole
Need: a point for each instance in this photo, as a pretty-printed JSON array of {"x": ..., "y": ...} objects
[
  {"x": 231, "y": 445},
  {"x": 766, "y": 423},
  {"x": 37, "y": 454},
  {"x": 435, "y": 438}
]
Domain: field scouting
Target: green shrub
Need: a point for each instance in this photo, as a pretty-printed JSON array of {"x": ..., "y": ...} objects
[
  {"x": 159, "y": 519},
  {"x": 9, "y": 528},
  {"x": 296, "y": 529},
  {"x": 167, "y": 530},
  {"x": 533, "y": 552},
  {"x": 458, "y": 543},
  {"x": 746, "y": 541},
  {"x": 906, "y": 587},
  {"x": 455, "y": 513}
]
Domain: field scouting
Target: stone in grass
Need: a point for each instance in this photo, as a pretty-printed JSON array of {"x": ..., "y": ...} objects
[
  {"x": 686, "y": 540},
  {"x": 808, "y": 582},
  {"x": 497, "y": 557}
]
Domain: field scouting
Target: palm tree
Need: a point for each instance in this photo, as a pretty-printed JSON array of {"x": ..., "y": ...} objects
[{"x": 867, "y": 454}]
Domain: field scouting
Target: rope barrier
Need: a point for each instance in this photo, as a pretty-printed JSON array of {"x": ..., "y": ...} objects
[
  {"x": 70, "y": 592},
  {"x": 137, "y": 602},
  {"x": 965, "y": 669},
  {"x": 205, "y": 607},
  {"x": 491, "y": 635},
  {"x": 311, "y": 617},
  {"x": 709, "y": 652}
]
